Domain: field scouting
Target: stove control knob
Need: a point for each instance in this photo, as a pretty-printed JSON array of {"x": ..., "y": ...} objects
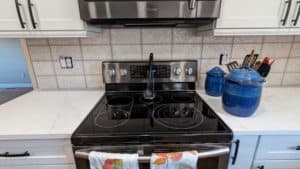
[
  {"x": 189, "y": 71},
  {"x": 112, "y": 72},
  {"x": 177, "y": 71},
  {"x": 123, "y": 72}
]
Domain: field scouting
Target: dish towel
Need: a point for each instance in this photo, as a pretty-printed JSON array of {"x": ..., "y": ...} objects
[
  {"x": 175, "y": 160},
  {"x": 100, "y": 160}
]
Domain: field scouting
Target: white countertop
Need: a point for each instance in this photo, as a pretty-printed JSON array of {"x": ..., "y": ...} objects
[
  {"x": 46, "y": 114},
  {"x": 278, "y": 113},
  {"x": 56, "y": 114}
]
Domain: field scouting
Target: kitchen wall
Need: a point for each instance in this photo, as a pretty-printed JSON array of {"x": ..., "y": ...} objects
[
  {"x": 166, "y": 43},
  {"x": 13, "y": 68}
]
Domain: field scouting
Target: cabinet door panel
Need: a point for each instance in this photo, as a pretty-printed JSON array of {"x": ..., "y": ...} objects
[
  {"x": 9, "y": 20},
  {"x": 56, "y": 14},
  {"x": 245, "y": 152},
  {"x": 277, "y": 164},
  {"x": 252, "y": 14},
  {"x": 294, "y": 19}
]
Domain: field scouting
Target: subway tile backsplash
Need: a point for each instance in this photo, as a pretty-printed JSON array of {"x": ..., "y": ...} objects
[{"x": 166, "y": 44}]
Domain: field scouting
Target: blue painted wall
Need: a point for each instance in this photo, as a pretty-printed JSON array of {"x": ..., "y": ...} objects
[{"x": 13, "y": 69}]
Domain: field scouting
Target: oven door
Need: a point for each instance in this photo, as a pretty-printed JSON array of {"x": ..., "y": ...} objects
[{"x": 211, "y": 156}]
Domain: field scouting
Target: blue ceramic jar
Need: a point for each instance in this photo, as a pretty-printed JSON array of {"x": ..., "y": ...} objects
[
  {"x": 214, "y": 82},
  {"x": 242, "y": 92}
]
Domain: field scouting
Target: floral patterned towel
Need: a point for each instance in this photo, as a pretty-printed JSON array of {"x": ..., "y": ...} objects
[
  {"x": 175, "y": 160},
  {"x": 99, "y": 160}
]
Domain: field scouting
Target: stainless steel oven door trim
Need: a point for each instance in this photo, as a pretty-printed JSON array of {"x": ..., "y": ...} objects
[{"x": 212, "y": 151}]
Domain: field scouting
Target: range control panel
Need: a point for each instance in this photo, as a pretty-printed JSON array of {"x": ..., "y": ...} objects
[{"x": 137, "y": 72}]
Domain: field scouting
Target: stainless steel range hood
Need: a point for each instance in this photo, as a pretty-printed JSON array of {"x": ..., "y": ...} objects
[{"x": 150, "y": 13}]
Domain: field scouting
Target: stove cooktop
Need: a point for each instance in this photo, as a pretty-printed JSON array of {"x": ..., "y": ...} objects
[{"x": 172, "y": 117}]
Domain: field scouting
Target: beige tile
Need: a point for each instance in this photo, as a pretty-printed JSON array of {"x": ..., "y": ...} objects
[
  {"x": 241, "y": 50},
  {"x": 214, "y": 50},
  {"x": 43, "y": 68},
  {"x": 125, "y": 36},
  {"x": 76, "y": 70},
  {"x": 295, "y": 52},
  {"x": 278, "y": 39},
  {"x": 127, "y": 52},
  {"x": 41, "y": 53},
  {"x": 187, "y": 51},
  {"x": 293, "y": 65},
  {"x": 248, "y": 39},
  {"x": 201, "y": 81},
  {"x": 161, "y": 52},
  {"x": 102, "y": 39},
  {"x": 156, "y": 36},
  {"x": 217, "y": 39},
  {"x": 37, "y": 41},
  {"x": 186, "y": 35},
  {"x": 46, "y": 82},
  {"x": 63, "y": 41},
  {"x": 92, "y": 67},
  {"x": 72, "y": 51},
  {"x": 101, "y": 52},
  {"x": 276, "y": 50},
  {"x": 297, "y": 38},
  {"x": 71, "y": 82},
  {"x": 94, "y": 81},
  {"x": 279, "y": 66},
  {"x": 291, "y": 79},
  {"x": 207, "y": 64},
  {"x": 274, "y": 79}
]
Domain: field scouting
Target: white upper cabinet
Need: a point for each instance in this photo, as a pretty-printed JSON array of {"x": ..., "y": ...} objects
[
  {"x": 40, "y": 18},
  {"x": 9, "y": 20},
  {"x": 259, "y": 17},
  {"x": 252, "y": 13},
  {"x": 55, "y": 14}
]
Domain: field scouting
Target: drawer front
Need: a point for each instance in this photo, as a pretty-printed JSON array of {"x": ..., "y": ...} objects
[
  {"x": 40, "y": 152},
  {"x": 279, "y": 147},
  {"x": 276, "y": 164},
  {"x": 41, "y": 167}
]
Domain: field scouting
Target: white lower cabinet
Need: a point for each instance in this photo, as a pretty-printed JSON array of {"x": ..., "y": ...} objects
[
  {"x": 278, "y": 152},
  {"x": 276, "y": 164},
  {"x": 27, "y": 154},
  {"x": 40, "y": 167},
  {"x": 245, "y": 152}
]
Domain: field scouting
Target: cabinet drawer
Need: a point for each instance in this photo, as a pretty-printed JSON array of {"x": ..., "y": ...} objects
[
  {"x": 41, "y": 167},
  {"x": 41, "y": 152},
  {"x": 279, "y": 147},
  {"x": 276, "y": 164}
]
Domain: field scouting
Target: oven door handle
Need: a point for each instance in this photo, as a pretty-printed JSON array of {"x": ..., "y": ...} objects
[{"x": 218, "y": 151}]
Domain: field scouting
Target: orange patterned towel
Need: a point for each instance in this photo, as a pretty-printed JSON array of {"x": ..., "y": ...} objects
[
  {"x": 100, "y": 160},
  {"x": 175, "y": 160}
]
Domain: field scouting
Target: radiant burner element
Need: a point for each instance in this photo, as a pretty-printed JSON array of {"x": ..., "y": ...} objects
[
  {"x": 178, "y": 116},
  {"x": 117, "y": 113}
]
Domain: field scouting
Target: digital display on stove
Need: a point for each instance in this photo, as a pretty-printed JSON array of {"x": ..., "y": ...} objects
[{"x": 160, "y": 71}]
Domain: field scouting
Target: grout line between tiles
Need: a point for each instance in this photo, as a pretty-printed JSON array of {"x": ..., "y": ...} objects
[
  {"x": 110, "y": 44},
  {"x": 52, "y": 58},
  {"x": 286, "y": 64},
  {"x": 83, "y": 66}
]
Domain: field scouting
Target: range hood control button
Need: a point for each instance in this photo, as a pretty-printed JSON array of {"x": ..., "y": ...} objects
[
  {"x": 189, "y": 71},
  {"x": 123, "y": 72}
]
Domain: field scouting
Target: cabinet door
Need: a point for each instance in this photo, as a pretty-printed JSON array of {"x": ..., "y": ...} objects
[
  {"x": 55, "y": 14},
  {"x": 253, "y": 13},
  {"x": 9, "y": 20},
  {"x": 276, "y": 164},
  {"x": 294, "y": 20},
  {"x": 245, "y": 153}
]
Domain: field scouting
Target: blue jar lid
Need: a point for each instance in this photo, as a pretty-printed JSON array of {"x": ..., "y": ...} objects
[
  {"x": 245, "y": 76},
  {"x": 216, "y": 71}
]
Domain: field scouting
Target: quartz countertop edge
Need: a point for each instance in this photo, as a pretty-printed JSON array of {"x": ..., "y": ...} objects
[
  {"x": 46, "y": 114},
  {"x": 277, "y": 114}
]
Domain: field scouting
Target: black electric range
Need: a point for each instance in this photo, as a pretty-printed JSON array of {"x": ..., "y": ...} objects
[
  {"x": 152, "y": 107},
  {"x": 172, "y": 117}
]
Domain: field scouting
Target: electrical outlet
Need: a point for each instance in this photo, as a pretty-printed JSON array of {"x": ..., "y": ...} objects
[{"x": 66, "y": 62}]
